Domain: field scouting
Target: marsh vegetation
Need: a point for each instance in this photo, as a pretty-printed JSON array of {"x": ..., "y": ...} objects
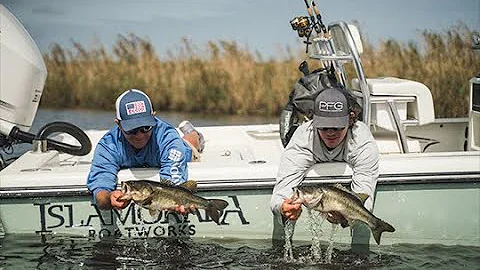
[{"x": 225, "y": 77}]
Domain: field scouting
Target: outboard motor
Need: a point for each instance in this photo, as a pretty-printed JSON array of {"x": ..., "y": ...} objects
[{"x": 22, "y": 78}]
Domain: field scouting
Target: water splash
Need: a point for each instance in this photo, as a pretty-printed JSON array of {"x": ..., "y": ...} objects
[
  {"x": 315, "y": 221},
  {"x": 331, "y": 240},
  {"x": 289, "y": 229}
]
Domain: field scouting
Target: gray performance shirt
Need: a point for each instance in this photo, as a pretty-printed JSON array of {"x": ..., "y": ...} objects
[{"x": 359, "y": 150}]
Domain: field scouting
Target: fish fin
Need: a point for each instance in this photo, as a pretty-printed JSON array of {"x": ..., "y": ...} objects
[
  {"x": 340, "y": 186},
  {"x": 166, "y": 182},
  {"x": 190, "y": 185},
  {"x": 219, "y": 204},
  {"x": 362, "y": 197},
  {"x": 215, "y": 209},
  {"x": 381, "y": 227}
]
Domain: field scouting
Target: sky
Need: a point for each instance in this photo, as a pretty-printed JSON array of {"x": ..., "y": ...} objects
[{"x": 259, "y": 25}]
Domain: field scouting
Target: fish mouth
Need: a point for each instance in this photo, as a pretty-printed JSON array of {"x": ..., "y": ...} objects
[
  {"x": 297, "y": 196},
  {"x": 125, "y": 187},
  {"x": 126, "y": 192}
]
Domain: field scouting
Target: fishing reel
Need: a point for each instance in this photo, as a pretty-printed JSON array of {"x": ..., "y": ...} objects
[{"x": 302, "y": 25}]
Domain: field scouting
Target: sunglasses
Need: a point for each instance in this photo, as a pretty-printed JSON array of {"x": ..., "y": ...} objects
[
  {"x": 143, "y": 129},
  {"x": 332, "y": 128}
]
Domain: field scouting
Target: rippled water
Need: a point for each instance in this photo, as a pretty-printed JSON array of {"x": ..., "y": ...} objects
[{"x": 61, "y": 252}]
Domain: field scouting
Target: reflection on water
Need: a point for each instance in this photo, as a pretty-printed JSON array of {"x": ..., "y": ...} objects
[{"x": 61, "y": 252}]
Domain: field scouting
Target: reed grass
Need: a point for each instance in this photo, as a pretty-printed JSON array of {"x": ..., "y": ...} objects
[{"x": 224, "y": 77}]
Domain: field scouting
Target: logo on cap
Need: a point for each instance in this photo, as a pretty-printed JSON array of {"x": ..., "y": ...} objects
[
  {"x": 135, "y": 107},
  {"x": 330, "y": 106}
]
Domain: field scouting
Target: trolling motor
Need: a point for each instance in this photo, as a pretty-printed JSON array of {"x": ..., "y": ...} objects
[{"x": 22, "y": 78}]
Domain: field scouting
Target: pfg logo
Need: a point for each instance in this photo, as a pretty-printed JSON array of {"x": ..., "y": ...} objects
[{"x": 330, "y": 106}]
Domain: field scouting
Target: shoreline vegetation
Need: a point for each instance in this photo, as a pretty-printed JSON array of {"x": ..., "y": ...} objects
[{"x": 228, "y": 79}]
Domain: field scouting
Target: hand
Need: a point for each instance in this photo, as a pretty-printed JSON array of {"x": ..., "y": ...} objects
[
  {"x": 337, "y": 218},
  {"x": 291, "y": 209},
  {"x": 182, "y": 209},
  {"x": 115, "y": 202}
]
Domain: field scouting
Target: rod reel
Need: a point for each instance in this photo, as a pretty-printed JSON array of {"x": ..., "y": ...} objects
[
  {"x": 302, "y": 25},
  {"x": 305, "y": 25}
]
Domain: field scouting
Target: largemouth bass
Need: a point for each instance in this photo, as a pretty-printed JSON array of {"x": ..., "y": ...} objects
[
  {"x": 336, "y": 198},
  {"x": 158, "y": 196}
]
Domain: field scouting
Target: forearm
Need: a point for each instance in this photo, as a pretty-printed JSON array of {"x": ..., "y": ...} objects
[
  {"x": 293, "y": 167},
  {"x": 289, "y": 176},
  {"x": 103, "y": 200},
  {"x": 107, "y": 200}
]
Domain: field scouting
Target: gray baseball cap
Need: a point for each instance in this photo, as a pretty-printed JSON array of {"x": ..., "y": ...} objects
[{"x": 331, "y": 109}]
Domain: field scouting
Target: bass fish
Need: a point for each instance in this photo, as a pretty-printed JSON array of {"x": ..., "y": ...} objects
[
  {"x": 158, "y": 196},
  {"x": 336, "y": 198}
]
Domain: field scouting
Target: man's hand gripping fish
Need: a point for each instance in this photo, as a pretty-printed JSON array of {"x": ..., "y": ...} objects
[{"x": 338, "y": 199}]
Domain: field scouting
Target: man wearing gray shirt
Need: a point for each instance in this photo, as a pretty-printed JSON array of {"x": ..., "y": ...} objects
[{"x": 333, "y": 135}]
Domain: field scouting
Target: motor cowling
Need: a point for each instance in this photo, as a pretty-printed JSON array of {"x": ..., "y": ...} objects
[{"x": 22, "y": 74}]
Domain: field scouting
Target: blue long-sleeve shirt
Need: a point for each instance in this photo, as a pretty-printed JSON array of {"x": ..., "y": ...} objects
[{"x": 165, "y": 149}]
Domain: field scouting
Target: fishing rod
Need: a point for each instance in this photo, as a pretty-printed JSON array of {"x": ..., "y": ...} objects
[
  {"x": 315, "y": 25},
  {"x": 319, "y": 20}
]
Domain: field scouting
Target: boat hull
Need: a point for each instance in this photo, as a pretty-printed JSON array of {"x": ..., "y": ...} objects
[{"x": 441, "y": 213}]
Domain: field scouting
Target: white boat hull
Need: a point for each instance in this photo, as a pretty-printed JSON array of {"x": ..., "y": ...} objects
[{"x": 445, "y": 213}]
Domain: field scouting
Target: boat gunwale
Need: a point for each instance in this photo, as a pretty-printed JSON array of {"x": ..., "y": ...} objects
[{"x": 255, "y": 184}]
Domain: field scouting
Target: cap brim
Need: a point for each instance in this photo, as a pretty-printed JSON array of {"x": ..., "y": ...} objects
[
  {"x": 134, "y": 123},
  {"x": 330, "y": 122}
]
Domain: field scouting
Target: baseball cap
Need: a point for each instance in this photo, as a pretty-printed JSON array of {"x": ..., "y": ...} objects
[
  {"x": 134, "y": 110},
  {"x": 331, "y": 109}
]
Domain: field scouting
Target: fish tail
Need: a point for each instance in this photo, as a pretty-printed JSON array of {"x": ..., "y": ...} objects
[
  {"x": 215, "y": 209},
  {"x": 381, "y": 226}
]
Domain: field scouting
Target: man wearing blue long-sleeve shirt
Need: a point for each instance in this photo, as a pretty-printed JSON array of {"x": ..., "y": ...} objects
[{"x": 139, "y": 140}]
